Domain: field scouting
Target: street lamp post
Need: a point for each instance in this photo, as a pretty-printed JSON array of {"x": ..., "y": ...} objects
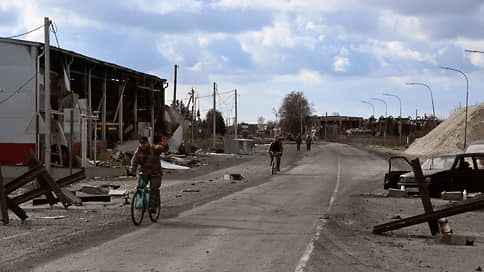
[
  {"x": 399, "y": 116},
  {"x": 385, "y": 124},
  {"x": 372, "y": 107},
  {"x": 467, "y": 99},
  {"x": 431, "y": 97}
]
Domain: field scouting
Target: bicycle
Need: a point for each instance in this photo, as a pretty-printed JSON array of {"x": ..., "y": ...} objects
[
  {"x": 142, "y": 201},
  {"x": 274, "y": 158}
]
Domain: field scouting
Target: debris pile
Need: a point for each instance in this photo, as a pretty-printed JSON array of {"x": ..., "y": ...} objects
[{"x": 448, "y": 136}]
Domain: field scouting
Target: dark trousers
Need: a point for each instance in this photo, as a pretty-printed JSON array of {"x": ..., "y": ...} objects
[
  {"x": 278, "y": 161},
  {"x": 155, "y": 185},
  {"x": 298, "y": 146}
]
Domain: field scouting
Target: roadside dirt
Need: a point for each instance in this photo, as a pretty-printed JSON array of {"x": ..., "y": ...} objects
[
  {"x": 346, "y": 241},
  {"x": 43, "y": 237}
]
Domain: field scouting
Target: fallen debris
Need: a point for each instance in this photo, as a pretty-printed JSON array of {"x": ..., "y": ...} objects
[
  {"x": 167, "y": 165},
  {"x": 189, "y": 190},
  {"x": 53, "y": 217},
  {"x": 452, "y": 195},
  {"x": 430, "y": 215},
  {"x": 47, "y": 186}
]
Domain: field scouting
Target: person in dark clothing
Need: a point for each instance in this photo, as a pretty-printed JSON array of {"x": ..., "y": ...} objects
[
  {"x": 298, "y": 142},
  {"x": 147, "y": 158},
  {"x": 276, "y": 149},
  {"x": 308, "y": 143}
]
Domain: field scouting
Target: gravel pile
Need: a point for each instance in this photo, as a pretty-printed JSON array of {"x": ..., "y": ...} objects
[{"x": 448, "y": 136}]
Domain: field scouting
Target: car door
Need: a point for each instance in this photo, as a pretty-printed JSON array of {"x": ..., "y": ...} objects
[
  {"x": 464, "y": 174},
  {"x": 397, "y": 165}
]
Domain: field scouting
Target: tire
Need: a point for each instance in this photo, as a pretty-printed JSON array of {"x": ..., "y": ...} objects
[
  {"x": 273, "y": 167},
  {"x": 137, "y": 208},
  {"x": 155, "y": 215}
]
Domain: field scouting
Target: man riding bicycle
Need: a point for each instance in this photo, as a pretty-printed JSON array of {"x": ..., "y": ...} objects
[
  {"x": 147, "y": 157},
  {"x": 276, "y": 150}
]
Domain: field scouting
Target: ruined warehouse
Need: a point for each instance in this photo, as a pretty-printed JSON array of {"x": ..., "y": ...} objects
[{"x": 108, "y": 103}]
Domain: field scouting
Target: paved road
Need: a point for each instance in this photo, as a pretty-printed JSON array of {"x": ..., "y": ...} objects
[{"x": 265, "y": 228}]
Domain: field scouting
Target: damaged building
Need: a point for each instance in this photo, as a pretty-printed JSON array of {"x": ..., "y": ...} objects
[{"x": 93, "y": 104}]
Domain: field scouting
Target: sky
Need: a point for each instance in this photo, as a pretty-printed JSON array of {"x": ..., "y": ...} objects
[{"x": 337, "y": 52}]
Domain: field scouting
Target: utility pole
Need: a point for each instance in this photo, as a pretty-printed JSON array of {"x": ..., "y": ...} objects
[
  {"x": 326, "y": 126},
  {"x": 193, "y": 112},
  {"x": 47, "y": 91},
  {"x": 235, "y": 121},
  {"x": 214, "y": 115},
  {"x": 174, "y": 87}
]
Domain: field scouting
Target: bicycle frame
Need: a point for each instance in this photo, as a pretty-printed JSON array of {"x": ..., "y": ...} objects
[{"x": 145, "y": 191}]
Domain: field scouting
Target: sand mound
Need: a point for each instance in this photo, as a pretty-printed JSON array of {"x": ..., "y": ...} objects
[{"x": 448, "y": 136}]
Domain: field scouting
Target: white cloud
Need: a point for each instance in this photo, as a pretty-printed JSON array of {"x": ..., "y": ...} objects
[
  {"x": 442, "y": 51},
  {"x": 305, "y": 76},
  {"x": 395, "y": 50},
  {"x": 196, "y": 67},
  {"x": 163, "y": 6},
  {"x": 477, "y": 59},
  {"x": 342, "y": 61},
  {"x": 288, "y": 5},
  {"x": 400, "y": 25}
]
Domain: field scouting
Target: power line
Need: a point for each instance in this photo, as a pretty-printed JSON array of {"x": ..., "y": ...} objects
[
  {"x": 25, "y": 33},
  {"x": 17, "y": 91},
  {"x": 53, "y": 26}
]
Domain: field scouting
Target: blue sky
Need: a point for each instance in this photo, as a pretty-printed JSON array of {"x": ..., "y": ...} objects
[{"x": 337, "y": 53}]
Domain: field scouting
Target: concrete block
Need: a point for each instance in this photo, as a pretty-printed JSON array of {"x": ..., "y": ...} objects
[{"x": 455, "y": 195}]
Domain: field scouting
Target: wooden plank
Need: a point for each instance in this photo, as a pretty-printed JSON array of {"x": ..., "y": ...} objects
[
  {"x": 71, "y": 196},
  {"x": 96, "y": 198},
  {"x": 3, "y": 201},
  {"x": 22, "y": 180},
  {"x": 424, "y": 195},
  {"x": 48, "y": 192},
  {"x": 462, "y": 207},
  {"x": 40, "y": 191},
  {"x": 45, "y": 177},
  {"x": 16, "y": 209}
]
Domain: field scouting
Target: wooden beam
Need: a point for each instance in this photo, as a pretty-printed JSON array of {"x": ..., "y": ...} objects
[
  {"x": 22, "y": 180},
  {"x": 424, "y": 194},
  {"x": 40, "y": 191},
  {"x": 45, "y": 177},
  {"x": 3, "y": 201},
  {"x": 464, "y": 206},
  {"x": 16, "y": 209}
]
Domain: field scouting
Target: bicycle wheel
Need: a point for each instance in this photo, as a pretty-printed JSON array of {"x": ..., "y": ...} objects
[
  {"x": 273, "y": 167},
  {"x": 155, "y": 214},
  {"x": 137, "y": 208}
]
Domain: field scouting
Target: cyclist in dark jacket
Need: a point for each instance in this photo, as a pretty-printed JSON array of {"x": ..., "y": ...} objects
[
  {"x": 147, "y": 157},
  {"x": 276, "y": 149}
]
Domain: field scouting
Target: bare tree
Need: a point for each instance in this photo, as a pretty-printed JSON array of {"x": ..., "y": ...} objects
[
  {"x": 293, "y": 112},
  {"x": 260, "y": 123}
]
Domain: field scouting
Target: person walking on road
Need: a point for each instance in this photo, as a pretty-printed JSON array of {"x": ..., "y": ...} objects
[
  {"x": 276, "y": 150},
  {"x": 298, "y": 142},
  {"x": 147, "y": 157},
  {"x": 308, "y": 143}
]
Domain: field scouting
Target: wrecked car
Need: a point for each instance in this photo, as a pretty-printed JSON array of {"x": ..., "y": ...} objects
[
  {"x": 448, "y": 173},
  {"x": 397, "y": 165}
]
